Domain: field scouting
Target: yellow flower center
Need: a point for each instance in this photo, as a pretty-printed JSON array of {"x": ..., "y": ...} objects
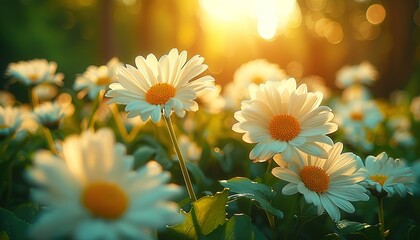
[
  {"x": 357, "y": 116},
  {"x": 103, "y": 81},
  {"x": 284, "y": 127},
  {"x": 33, "y": 77},
  {"x": 379, "y": 179},
  {"x": 104, "y": 199},
  {"x": 258, "y": 80},
  {"x": 315, "y": 178},
  {"x": 160, "y": 93}
]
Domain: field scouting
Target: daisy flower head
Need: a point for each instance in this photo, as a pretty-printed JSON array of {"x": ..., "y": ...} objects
[
  {"x": 256, "y": 72},
  {"x": 356, "y": 119},
  {"x": 359, "y": 92},
  {"x": 387, "y": 176},
  {"x": 415, "y": 108},
  {"x": 316, "y": 84},
  {"x": 10, "y": 120},
  {"x": 6, "y": 99},
  {"x": 160, "y": 86},
  {"x": 283, "y": 118},
  {"x": 400, "y": 126},
  {"x": 96, "y": 79},
  {"x": 251, "y": 74},
  {"x": 364, "y": 73},
  {"x": 49, "y": 114},
  {"x": 35, "y": 72},
  {"x": 45, "y": 92},
  {"x": 211, "y": 100},
  {"x": 90, "y": 192},
  {"x": 29, "y": 123},
  {"x": 330, "y": 184}
]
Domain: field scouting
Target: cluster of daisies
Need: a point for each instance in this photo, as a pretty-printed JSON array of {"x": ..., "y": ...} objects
[
  {"x": 86, "y": 184},
  {"x": 289, "y": 125}
]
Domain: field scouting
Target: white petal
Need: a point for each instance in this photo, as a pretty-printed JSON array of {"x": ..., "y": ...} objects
[{"x": 289, "y": 189}]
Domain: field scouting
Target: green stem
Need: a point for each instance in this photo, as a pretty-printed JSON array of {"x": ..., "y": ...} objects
[
  {"x": 120, "y": 125},
  {"x": 381, "y": 216},
  {"x": 35, "y": 103},
  {"x": 195, "y": 223},
  {"x": 12, "y": 161},
  {"x": 272, "y": 222},
  {"x": 50, "y": 140},
  {"x": 300, "y": 224},
  {"x": 290, "y": 215},
  {"x": 92, "y": 117},
  {"x": 182, "y": 163},
  {"x": 33, "y": 98}
]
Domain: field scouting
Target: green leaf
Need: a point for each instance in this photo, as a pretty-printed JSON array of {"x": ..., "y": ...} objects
[
  {"x": 142, "y": 155},
  {"x": 257, "y": 192},
  {"x": 14, "y": 227},
  {"x": 4, "y": 236},
  {"x": 239, "y": 227},
  {"x": 161, "y": 154},
  {"x": 224, "y": 157},
  {"x": 206, "y": 214},
  {"x": 348, "y": 227},
  {"x": 151, "y": 149},
  {"x": 331, "y": 236},
  {"x": 198, "y": 174},
  {"x": 27, "y": 211}
]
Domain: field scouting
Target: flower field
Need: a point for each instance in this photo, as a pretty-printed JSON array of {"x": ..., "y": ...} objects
[{"x": 158, "y": 148}]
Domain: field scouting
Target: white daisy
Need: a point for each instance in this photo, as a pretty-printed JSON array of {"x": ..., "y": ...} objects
[
  {"x": 6, "y": 99},
  {"x": 211, "y": 100},
  {"x": 284, "y": 119},
  {"x": 34, "y": 72},
  {"x": 160, "y": 86},
  {"x": 92, "y": 193},
  {"x": 400, "y": 127},
  {"x": 256, "y": 72},
  {"x": 364, "y": 73},
  {"x": 415, "y": 108},
  {"x": 251, "y": 74},
  {"x": 330, "y": 184},
  {"x": 316, "y": 84},
  {"x": 95, "y": 79},
  {"x": 45, "y": 92},
  {"x": 10, "y": 120},
  {"x": 48, "y": 114},
  {"x": 357, "y": 119},
  {"x": 389, "y": 176},
  {"x": 29, "y": 123},
  {"x": 358, "y": 92}
]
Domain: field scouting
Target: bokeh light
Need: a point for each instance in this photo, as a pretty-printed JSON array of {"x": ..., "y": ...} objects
[
  {"x": 271, "y": 17},
  {"x": 226, "y": 32},
  {"x": 375, "y": 14}
]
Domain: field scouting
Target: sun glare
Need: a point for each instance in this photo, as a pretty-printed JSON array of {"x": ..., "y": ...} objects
[{"x": 271, "y": 17}]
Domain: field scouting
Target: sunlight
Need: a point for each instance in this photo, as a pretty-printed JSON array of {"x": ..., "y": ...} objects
[{"x": 271, "y": 17}]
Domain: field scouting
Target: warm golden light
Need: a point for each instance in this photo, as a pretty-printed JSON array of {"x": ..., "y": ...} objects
[
  {"x": 226, "y": 10},
  {"x": 375, "y": 14},
  {"x": 129, "y": 2},
  {"x": 271, "y": 17},
  {"x": 316, "y": 5},
  {"x": 267, "y": 19},
  {"x": 267, "y": 27},
  {"x": 334, "y": 33},
  {"x": 331, "y": 30}
]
